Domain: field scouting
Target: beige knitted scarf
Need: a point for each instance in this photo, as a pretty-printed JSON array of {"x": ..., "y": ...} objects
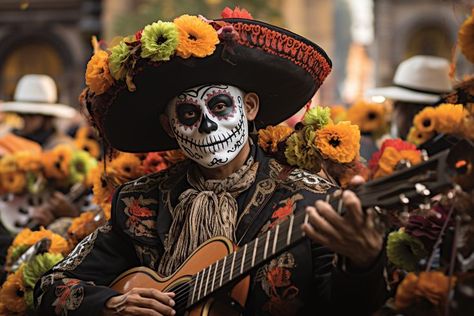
[{"x": 207, "y": 210}]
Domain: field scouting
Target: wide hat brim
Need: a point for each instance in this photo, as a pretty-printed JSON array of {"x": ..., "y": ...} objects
[
  {"x": 402, "y": 94},
  {"x": 47, "y": 109},
  {"x": 283, "y": 68}
]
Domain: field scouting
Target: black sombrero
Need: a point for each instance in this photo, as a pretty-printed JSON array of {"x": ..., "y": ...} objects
[{"x": 283, "y": 68}]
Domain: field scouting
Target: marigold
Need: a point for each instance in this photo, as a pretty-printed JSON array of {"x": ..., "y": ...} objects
[
  {"x": 339, "y": 142},
  {"x": 466, "y": 37},
  {"x": 270, "y": 137},
  {"x": 426, "y": 120},
  {"x": 318, "y": 116},
  {"x": 98, "y": 77},
  {"x": 13, "y": 291},
  {"x": 89, "y": 145},
  {"x": 369, "y": 116},
  {"x": 432, "y": 286},
  {"x": 154, "y": 162},
  {"x": 126, "y": 167},
  {"x": 228, "y": 13},
  {"x": 449, "y": 117},
  {"x": 391, "y": 158},
  {"x": 56, "y": 162},
  {"x": 39, "y": 265},
  {"x": 83, "y": 225},
  {"x": 28, "y": 161},
  {"x": 103, "y": 190},
  {"x": 28, "y": 238},
  {"x": 80, "y": 166},
  {"x": 159, "y": 40},
  {"x": 174, "y": 156},
  {"x": 196, "y": 37},
  {"x": 13, "y": 182},
  {"x": 417, "y": 137},
  {"x": 405, "y": 251},
  {"x": 118, "y": 57},
  {"x": 300, "y": 152}
]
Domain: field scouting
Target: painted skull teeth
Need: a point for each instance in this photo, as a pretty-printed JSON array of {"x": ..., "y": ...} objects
[{"x": 209, "y": 123}]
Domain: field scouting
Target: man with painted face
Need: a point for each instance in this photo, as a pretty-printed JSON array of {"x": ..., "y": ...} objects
[{"x": 255, "y": 73}]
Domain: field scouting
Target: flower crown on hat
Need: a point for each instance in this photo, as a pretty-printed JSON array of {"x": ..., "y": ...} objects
[{"x": 187, "y": 36}]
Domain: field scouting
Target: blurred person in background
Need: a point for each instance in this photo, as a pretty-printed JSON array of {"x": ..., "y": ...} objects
[{"x": 418, "y": 82}]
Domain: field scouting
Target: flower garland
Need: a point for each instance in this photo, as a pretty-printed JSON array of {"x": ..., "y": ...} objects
[
  {"x": 446, "y": 118},
  {"x": 370, "y": 117}
]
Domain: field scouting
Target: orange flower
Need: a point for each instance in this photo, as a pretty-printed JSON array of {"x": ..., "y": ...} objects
[
  {"x": 28, "y": 161},
  {"x": 449, "y": 117},
  {"x": 98, "y": 77},
  {"x": 416, "y": 137},
  {"x": 196, "y": 37},
  {"x": 89, "y": 145},
  {"x": 391, "y": 157},
  {"x": 426, "y": 120},
  {"x": 126, "y": 167},
  {"x": 432, "y": 286},
  {"x": 270, "y": 137},
  {"x": 466, "y": 37},
  {"x": 13, "y": 182},
  {"x": 339, "y": 142},
  {"x": 83, "y": 225},
  {"x": 13, "y": 292},
  {"x": 174, "y": 156},
  {"x": 369, "y": 116},
  {"x": 103, "y": 190},
  {"x": 56, "y": 162},
  {"x": 28, "y": 238}
]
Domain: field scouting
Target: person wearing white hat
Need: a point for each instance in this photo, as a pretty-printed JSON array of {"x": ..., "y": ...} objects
[
  {"x": 419, "y": 81},
  {"x": 35, "y": 100}
]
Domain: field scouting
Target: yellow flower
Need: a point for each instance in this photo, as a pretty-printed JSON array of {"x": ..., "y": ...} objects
[
  {"x": 416, "y": 137},
  {"x": 89, "y": 145},
  {"x": 103, "y": 189},
  {"x": 126, "y": 167},
  {"x": 98, "y": 77},
  {"x": 270, "y": 137},
  {"x": 466, "y": 38},
  {"x": 369, "y": 116},
  {"x": 28, "y": 161},
  {"x": 13, "y": 292},
  {"x": 196, "y": 37},
  {"x": 339, "y": 142},
  {"x": 449, "y": 117},
  {"x": 391, "y": 157},
  {"x": 28, "y": 238},
  {"x": 84, "y": 225},
  {"x": 426, "y": 120}
]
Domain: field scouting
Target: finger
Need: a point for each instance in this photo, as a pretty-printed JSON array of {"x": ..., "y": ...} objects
[
  {"x": 150, "y": 303},
  {"x": 353, "y": 208},
  {"x": 139, "y": 311},
  {"x": 330, "y": 215},
  {"x": 321, "y": 225},
  {"x": 153, "y": 293},
  {"x": 357, "y": 180},
  {"x": 314, "y": 236}
]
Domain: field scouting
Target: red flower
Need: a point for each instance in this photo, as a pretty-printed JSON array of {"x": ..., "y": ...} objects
[
  {"x": 138, "y": 35},
  {"x": 228, "y": 13},
  {"x": 396, "y": 143},
  {"x": 154, "y": 162},
  {"x": 139, "y": 211}
]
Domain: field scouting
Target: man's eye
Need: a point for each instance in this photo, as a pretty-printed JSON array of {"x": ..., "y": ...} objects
[
  {"x": 188, "y": 114},
  {"x": 221, "y": 105}
]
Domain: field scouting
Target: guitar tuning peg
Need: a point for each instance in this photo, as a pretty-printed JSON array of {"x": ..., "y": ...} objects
[
  {"x": 404, "y": 199},
  {"x": 422, "y": 189},
  {"x": 424, "y": 155}
]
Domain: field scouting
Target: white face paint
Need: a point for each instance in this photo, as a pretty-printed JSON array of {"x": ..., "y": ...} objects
[{"x": 209, "y": 123}]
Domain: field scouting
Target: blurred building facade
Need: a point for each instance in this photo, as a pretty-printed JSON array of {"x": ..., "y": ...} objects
[{"x": 50, "y": 37}]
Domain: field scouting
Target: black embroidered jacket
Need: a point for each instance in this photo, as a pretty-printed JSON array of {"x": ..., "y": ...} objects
[{"x": 302, "y": 281}]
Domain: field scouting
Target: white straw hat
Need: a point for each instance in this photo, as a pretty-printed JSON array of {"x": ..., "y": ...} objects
[
  {"x": 37, "y": 94},
  {"x": 419, "y": 79}
]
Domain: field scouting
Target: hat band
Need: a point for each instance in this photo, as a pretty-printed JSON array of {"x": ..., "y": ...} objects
[{"x": 436, "y": 93}]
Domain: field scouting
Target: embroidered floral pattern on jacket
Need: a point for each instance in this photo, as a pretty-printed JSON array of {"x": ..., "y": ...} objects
[
  {"x": 141, "y": 219},
  {"x": 69, "y": 296},
  {"x": 275, "y": 280},
  {"x": 285, "y": 209}
]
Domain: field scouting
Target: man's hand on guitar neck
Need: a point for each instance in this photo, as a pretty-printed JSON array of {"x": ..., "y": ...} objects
[
  {"x": 141, "y": 301},
  {"x": 353, "y": 235}
]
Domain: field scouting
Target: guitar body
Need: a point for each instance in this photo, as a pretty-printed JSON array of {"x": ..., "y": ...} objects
[{"x": 207, "y": 254}]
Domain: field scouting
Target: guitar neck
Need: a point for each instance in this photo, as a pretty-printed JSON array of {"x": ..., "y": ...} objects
[{"x": 250, "y": 256}]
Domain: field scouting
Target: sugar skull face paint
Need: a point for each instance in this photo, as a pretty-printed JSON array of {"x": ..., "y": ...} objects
[{"x": 209, "y": 123}]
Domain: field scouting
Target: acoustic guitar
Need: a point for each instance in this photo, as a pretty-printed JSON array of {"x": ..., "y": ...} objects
[{"x": 203, "y": 281}]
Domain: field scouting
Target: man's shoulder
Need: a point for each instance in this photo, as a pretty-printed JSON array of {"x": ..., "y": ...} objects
[{"x": 297, "y": 179}]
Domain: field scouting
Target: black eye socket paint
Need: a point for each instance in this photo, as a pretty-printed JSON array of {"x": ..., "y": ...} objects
[
  {"x": 188, "y": 114},
  {"x": 221, "y": 105}
]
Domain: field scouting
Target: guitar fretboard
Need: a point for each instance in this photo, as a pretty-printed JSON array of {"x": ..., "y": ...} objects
[{"x": 240, "y": 262}]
